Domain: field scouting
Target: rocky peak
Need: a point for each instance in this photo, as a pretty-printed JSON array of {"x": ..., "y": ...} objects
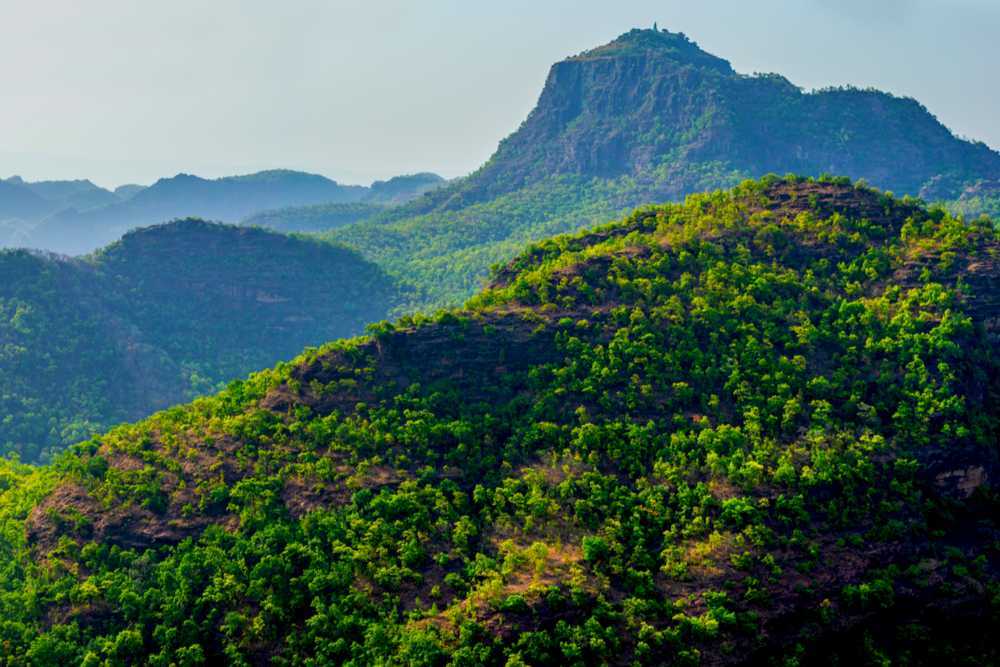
[
  {"x": 656, "y": 44},
  {"x": 653, "y": 106}
]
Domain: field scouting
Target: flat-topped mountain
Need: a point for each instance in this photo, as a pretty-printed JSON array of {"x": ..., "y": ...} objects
[
  {"x": 161, "y": 316},
  {"x": 651, "y": 117},
  {"x": 756, "y": 425},
  {"x": 654, "y": 106}
]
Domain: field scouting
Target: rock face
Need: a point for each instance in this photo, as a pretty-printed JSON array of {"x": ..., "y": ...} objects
[{"x": 653, "y": 105}]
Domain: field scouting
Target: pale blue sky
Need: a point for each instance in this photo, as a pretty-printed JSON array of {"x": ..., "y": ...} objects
[{"x": 123, "y": 90}]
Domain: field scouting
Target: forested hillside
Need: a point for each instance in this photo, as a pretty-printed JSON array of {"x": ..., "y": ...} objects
[
  {"x": 167, "y": 313},
  {"x": 649, "y": 118},
  {"x": 755, "y": 428}
]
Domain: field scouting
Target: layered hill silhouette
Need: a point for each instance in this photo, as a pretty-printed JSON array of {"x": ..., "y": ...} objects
[
  {"x": 77, "y": 217},
  {"x": 161, "y": 316},
  {"x": 651, "y": 117},
  {"x": 23, "y": 204},
  {"x": 78, "y": 194},
  {"x": 757, "y": 425}
]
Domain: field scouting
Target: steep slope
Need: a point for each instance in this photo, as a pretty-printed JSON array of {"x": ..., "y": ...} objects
[
  {"x": 129, "y": 190},
  {"x": 755, "y": 427},
  {"x": 165, "y": 314},
  {"x": 651, "y": 117},
  {"x": 17, "y": 201}
]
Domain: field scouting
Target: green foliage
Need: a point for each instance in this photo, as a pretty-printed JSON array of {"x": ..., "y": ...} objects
[
  {"x": 446, "y": 254},
  {"x": 976, "y": 202},
  {"x": 649, "y": 118},
  {"x": 166, "y": 314},
  {"x": 651, "y": 443}
]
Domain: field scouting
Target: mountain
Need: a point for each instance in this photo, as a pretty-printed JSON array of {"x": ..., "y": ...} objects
[
  {"x": 652, "y": 105},
  {"x": 980, "y": 198},
  {"x": 30, "y": 201},
  {"x": 18, "y": 201},
  {"x": 323, "y": 217},
  {"x": 24, "y": 203},
  {"x": 161, "y": 316},
  {"x": 652, "y": 117},
  {"x": 755, "y": 428},
  {"x": 79, "y": 194}
]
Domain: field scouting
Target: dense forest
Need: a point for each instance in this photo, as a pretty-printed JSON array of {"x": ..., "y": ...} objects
[
  {"x": 758, "y": 426},
  {"x": 166, "y": 314},
  {"x": 647, "y": 118}
]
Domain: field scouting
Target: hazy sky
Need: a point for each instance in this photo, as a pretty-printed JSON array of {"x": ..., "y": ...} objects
[{"x": 130, "y": 90}]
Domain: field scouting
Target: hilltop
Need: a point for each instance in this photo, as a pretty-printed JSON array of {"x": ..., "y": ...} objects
[
  {"x": 756, "y": 426},
  {"x": 652, "y": 117},
  {"x": 165, "y": 314}
]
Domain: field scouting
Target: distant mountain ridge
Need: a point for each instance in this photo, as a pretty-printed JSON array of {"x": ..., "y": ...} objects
[
  {"x": 225, "y": 199},
  {"x": 77, "y": 217}
]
